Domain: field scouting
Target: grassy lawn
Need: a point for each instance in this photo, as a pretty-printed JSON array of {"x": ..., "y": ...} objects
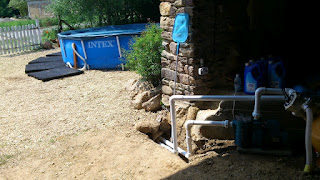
[{"x": 45, "y": 22}]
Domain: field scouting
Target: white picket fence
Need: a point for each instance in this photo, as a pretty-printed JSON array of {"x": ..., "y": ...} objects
[{"x": 20, "y": 38}]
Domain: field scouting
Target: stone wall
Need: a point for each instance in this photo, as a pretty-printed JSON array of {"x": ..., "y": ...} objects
[
  {"x": 37, "y": 9},
  {"x": 186, "y": 81},
  {"x": 213, "y": 42}
]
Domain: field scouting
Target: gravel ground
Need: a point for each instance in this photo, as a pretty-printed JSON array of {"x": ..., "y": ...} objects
[
  {"x": 32, "y": 111},
  {"x": 81, "y": 127}
]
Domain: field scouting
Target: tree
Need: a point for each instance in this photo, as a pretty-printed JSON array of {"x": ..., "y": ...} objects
[
  {"x": 105, "y": 12},
  {"x": 21, "y": 5},
  {"x": 5, "y": 11}
]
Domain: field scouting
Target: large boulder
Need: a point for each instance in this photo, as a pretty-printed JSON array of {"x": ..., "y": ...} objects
[
  {"x": 153, "y": 103},
  {"x": 199, "y": 132},
  {"x": 139, "y": 99},
  {"x": 154, "y": 128},
  {"x": 148, "y": 126}
]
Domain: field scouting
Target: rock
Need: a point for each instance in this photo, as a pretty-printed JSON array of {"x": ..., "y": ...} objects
[
  {"x": 166, "y": 21},
  {"x": 148, "y": 126},
  {"x": 47, "y": 45},
  {"x": 152, "y": 104},
  {"x": 165, "y": 100},
  {"x": 163, "y": 118},
  {"x": 203, "y": 132},
  {"x": 131, "y": 85},
  {"x": 173, "y": 48},
  {"x": 167, "y": 73},
  {"x": 186, "y": 79},
  {"x": 139, "y": 99},
  {"x": 139, "y": 86},
  {"x": 156, "y": 135},
  {"x": 165, "y": 8},
  {"x": 192, "y": 113},
  {"x": 167, "y": 90}
]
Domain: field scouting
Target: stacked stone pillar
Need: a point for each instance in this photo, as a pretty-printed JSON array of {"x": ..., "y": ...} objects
[{"x": 186, "y": 70}]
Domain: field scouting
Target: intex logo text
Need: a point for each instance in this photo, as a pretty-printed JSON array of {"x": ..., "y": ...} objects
[{"x": 100, "y": 44}]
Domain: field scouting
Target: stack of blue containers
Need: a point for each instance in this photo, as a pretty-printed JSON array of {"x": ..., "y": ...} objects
[{"x": 268, "y": 72}]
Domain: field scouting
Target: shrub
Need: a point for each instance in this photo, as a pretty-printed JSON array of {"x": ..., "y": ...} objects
[
  {"x": 47, "y": 22},
  {"x": 49, "y": 35},
  {"x": 144, "y": 54}
]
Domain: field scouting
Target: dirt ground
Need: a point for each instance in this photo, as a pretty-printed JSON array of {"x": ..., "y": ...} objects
[{"x": 82, "y": 127}]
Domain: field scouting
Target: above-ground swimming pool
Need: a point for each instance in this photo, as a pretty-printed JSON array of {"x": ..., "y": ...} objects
[{"x": 98, "y": 48}]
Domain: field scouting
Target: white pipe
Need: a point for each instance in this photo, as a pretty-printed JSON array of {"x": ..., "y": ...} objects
[
  {"x": 207, "y": 98},
  {"x": 190, "y": 123},
  {"x": 308, "y": 132},
  {"x": 165, "y": 146},
  {"x": 169, "y": 144},
  {"x": 261, "y": 91}
]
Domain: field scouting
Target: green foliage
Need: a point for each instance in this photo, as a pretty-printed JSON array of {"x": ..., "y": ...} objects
[
  {"x": 45, "y": 22},
  {"x": 21, "y": 5},
  {"x": 5, "y": 11},
  {"x": 48, "y": 35},
  {"x": 144, "y": 54},
  {"x": 104, "y": 12},
  {"x": 17, "y": 23}
]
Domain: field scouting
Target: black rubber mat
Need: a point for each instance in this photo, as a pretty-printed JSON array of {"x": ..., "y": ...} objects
[
  {"x": 43, "y": 66},
  {"x": 46, "y": 59},
  {"x": 50, "y": 67},
  {"x": 54, "y": 54},
  {"x": 55, "y": 73}
]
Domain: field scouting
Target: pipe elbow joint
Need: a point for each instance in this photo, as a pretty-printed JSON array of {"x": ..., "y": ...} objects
[
  {"x": 189, "y": 124},
  {"x": 260, "y": 91},
  {"x": 256, "y": 115},
  {"x": 175, "y": 97},
  {"x": 305, "y": 107}
]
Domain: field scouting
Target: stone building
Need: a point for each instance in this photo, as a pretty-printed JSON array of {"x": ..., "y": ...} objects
[
  {"x": 37, "y": 9},
  {"x": 209, "y": 44},
  {"x": 224, "y": 35}
]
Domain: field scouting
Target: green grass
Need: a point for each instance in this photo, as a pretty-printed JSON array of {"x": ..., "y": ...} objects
[
  {"x": 45, "y": 22},
  {"x": 17, "y": 23}
]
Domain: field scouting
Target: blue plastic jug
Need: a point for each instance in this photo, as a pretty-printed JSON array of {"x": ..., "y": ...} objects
[
  {"x": 276, "y": 73},
  {"x": 253, "y": 77}
]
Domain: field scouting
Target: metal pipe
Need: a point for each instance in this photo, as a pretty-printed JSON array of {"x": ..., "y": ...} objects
[
  {"x": 190, "y": 123},
  {"x": 308, "y": 145},
  {"x": 119, "y": 48},
  {"x": 84, "y": 50},
  {"x": 173, "y": 98}
]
